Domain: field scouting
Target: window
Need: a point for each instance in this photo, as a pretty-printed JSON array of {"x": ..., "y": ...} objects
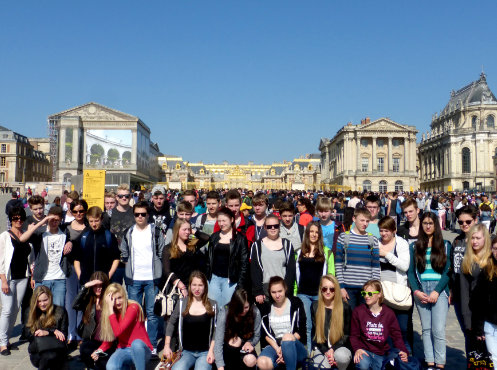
[
  {"x": 383, "y": 186},
  {"x": 465, "y": 185},
  {"x": 380, "y": 143},
  {"x": 273, "y": 172},
  {"x": 396, "y": 165},
  {"x": 381, "y": 164},
  {"x": 309, "y": 167},
  {"x": 4, "y": 148},
  {"x": 490, "y": 122},
  {"x": 202, "y": 172},
  {"x": 178, "y": 166},
  {"x": 399, "y": 186},
  {"x": 364, "y": 142},
  {"x": 473, "y": 121},
  {"x": 2, "y": 161},
  {"x": 466, "y": 160},
  {"x": 297, "y": 167},
  {"x": 366, "y": 185},
  {"x": 365, "y": 164},
  {"x": 164, "y": 166},
  {"x": 396, "y": 142}
]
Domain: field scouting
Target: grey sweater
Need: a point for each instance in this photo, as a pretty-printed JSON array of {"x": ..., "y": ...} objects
[{"x": 221, "y": 328}]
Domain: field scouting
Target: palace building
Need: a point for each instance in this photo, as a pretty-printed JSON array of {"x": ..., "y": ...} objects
[
  {"x": 299, "y": 174},
  {"x": 370, "y": 156},
  {"x": 458, "y": 153}
]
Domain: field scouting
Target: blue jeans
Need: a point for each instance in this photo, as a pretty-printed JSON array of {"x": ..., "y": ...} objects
[
  {"x": 403, "y": 318},
  {"x": 118, "y": 276},
  {"x": 135, "y": 292},
  {"x": 58, "y": 289},
  {"x": 355, "y": 298},
  {"x": 307, "y": 301},
  {"x": 294, "y": 353},
  {"x": 74, "y": 317},
  {"x": 433, "y": 318},
  {"x": 373, "y": 361},
  {"x": 221, "y": 290},
  {"x": 189, "y": 358},
  {"x": 491, "y": 339},
  {"x": 138, "y": 354}
]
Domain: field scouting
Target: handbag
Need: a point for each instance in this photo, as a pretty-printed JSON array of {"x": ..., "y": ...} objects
[
  {"x": 478, "y": 356},
  {"x": 48, "y": 343},
  {"x": 167, "y": 363},
  {"x": 397, "y": 296},
  {"x": 164, "y": 303},
  {"x": 316, "y": 361}
]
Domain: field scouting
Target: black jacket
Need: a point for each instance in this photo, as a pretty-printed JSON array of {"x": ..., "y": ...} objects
[
  {"x": 343, "y": 341},
  {"x": 483, "y": 302},
  {"x": 80, "y": 303},
  {"x": 257, "y": 270},
  {"x": 238, "y": 270},
  {"x": 467, "y": 287},
  {"x": 297, "y": 316},
  {"x": 61, "y": 324}
]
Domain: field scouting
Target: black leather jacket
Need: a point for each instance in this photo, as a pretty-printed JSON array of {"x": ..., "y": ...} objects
[
  {"x": 80, "y": 303},
  {"x": 238, "y": 270}
]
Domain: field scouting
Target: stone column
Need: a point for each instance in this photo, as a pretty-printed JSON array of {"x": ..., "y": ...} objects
[
  {"x": 75, "y": 145},
  {"x": 134, "y": 148},
  {"x": 358, "y": 159},
  {"x": 406, "y": 154},
  {"x": 390, "y": 161},
  {"x": 62, "y": 146},
  {"x": 373, "y": 156}
]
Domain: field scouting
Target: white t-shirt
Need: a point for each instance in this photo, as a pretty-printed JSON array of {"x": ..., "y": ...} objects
[
  {"x": 142, "y": 253},
  {"x": 54, "y": 246}
]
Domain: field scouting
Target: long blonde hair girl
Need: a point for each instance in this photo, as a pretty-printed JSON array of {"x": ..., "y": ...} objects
[
  {"x": 190, "y": 244},
  {"x": 470, "y": 257},
  {"x": 37, "y": 318},
  {"x": 106, "y": 332},
  {"x": 336, "y": 325}
]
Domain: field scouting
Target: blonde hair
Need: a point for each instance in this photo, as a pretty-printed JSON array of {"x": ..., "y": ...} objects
[
  {"x": 37, "y": 318},
  {"x": 190, "y": 244},
  {"x": 106, "y": 332},
  {"x": 470, "y": 257},
  {"x": 336, "y": 325},
  {"x": 323, "y": 204},
  {"x": 123, "y": 187},
  {"x": 492, "y": 263}
]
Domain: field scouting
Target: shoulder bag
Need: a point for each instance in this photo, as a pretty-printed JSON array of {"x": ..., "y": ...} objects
[{"x": 165, "y": 302}]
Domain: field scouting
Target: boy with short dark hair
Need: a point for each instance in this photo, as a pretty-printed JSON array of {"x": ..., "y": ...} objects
[
  {"x": 256, "y": 230},
  {"x": 206, "y": 222},
  {"x": 290, "y": 229},
  {"x": 357, "y": 258}
]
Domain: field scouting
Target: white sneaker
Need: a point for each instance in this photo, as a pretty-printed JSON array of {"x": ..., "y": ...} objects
[{"x": 154, "y": 352}]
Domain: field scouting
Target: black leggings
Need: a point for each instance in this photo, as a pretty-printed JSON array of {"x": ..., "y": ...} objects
[
  {"x": 87, "y": 347},
  {"x": 53, "y": 360},
  {"x": 233, "y": 359}
]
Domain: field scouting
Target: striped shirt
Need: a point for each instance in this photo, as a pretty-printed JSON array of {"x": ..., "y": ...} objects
[
  {"x": 429, "y": 274},
  {"x": 363, "y": 260}
]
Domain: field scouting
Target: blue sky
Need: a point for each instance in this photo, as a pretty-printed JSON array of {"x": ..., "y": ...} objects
[{"x": 242, "y": 80}]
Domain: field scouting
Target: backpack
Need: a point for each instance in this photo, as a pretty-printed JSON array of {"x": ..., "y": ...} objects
[
  {"x": 346, "y": 242},
  {"x": 398, "y": 208},
  {"x": 164, "y": 303}
]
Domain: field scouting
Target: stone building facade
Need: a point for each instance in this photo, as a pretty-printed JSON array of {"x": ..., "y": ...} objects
[
  {"x": 20, "y": 162},
  {"x": 301, "y": 173},
  {"x": 458, "y": 152},
  {"x": 378, "y": 156}
]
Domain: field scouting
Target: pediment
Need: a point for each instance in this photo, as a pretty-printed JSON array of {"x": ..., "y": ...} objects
[
  {"x": 382, "y": 124},
  {"x": 323, "y": 143},
  {"x": 96, "y": 112}
]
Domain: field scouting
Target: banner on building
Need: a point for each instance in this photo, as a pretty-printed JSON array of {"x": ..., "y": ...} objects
[{"x": 94, "y": 187}]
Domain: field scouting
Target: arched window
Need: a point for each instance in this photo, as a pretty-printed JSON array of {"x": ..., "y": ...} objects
[
  {"x": 202, "y": 172},
  {"x": 466, "y": 160},
  {"x": 473, "y": 121},
  {"x": 399, "y": 186},
  {"x": 178, "y": 166},
  {"x": 273, "y": 172},
  {"x": 366, "y": 185},
  {"x": 383, "y": 188},
  {"x": 490, "y": 121},
  {"x": 297, "y": 167},
  {"x": 309, "y": 167}
]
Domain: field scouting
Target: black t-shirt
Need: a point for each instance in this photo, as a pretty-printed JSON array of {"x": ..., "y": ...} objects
[
  {"x": 196, "y": 332},
  {"x": 19, "y": 262},
  {"x": 186, "y": 263},
  {"x": 119, "y": 222},
  {"x": 310, "y": 275},
  {"x": 221, "y": 260}
]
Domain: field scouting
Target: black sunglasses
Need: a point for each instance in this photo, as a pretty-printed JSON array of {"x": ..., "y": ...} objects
[
  {"x": 269, "y": 227},
  {"x": 143, "y": 214},
  {"x": 467, "y": 222},
  {"x": 121, "y": 196},
  {"x": 82, "y": 211}
]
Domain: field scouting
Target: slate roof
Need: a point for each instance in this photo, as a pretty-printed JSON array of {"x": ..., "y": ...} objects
[{"x": 476, "y": 92}]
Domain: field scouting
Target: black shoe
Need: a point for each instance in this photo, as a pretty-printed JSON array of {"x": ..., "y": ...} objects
[
  {"x": 23, "y": 338},
  {"x": 12, "y": 347},
  {"x": 5, "y": 352}
]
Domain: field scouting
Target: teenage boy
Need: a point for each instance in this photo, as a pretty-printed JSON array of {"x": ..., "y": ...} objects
[
  {"x": 190, "y": 197},
  {"x": 357, "y": 258},
  {"x": 234, "y": 202},
  {"x": 121, "y": 219},
  {"x": 466, "y": 218},
  {"x": 290, "y": 229},
  {"x": 409, "y": 230},
  {"x": 159, "y": 212},
  {"x": 109, "y": 202},
  {"x": 206, "y": 222},
  {"x": 141, "y": 249},
  {"x": 184, "y": 211},
  {"x": 97, "y": 249},
  {"x": 256, "y": 230},
  {"x": 323, "y": 208},
  {"x": 50, "y": 248}
]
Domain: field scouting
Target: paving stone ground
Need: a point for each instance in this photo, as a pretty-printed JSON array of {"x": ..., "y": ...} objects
[{"x": 19, "y": 360}]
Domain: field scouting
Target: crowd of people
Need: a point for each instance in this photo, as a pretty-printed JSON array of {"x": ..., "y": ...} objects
[{"x": 330, "y": 279}]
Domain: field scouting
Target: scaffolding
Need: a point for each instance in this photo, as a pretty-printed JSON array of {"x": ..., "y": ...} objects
[{"x": 53, "y": 132}]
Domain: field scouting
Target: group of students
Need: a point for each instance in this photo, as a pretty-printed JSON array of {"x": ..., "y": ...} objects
[{"x": 297, "y": 281}]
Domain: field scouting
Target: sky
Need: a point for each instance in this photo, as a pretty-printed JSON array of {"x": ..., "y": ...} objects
[{"x": 242, "y": 81}]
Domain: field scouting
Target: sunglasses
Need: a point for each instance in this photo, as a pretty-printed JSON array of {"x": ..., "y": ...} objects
[
  {"x": 79, "y": 212},
  {"x": 467, "y": 222},
  {"x": 326, "y": 289},
  {"x": 370, "y": 294},
  {"x": 16, "y": 218},
  {"x": 276, "y": 227},
  {"x": 121, "y": 196},
  {"x": 138, "y": 214}
]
